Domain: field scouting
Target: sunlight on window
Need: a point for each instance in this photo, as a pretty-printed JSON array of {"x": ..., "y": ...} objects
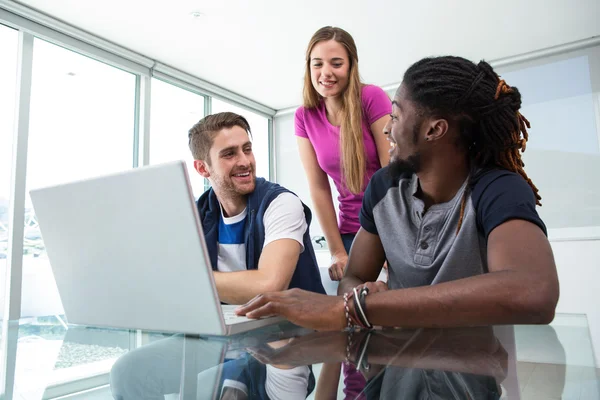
[
  {"x": 81, "y": 125},
  {"x": 173, "y": 112},
  {"x": 563, "y": 154},
  {"x": 8, "y": 74}
]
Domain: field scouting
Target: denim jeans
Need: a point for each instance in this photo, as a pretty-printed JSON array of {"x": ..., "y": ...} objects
[{"x": 347, "y": 239}]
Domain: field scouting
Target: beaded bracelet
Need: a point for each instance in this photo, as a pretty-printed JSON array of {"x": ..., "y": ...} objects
[
  {"x": 352, "y": 319},
  {"x": 350, "y": 328},
  {"x": 349, "y": 347},
  {"x": 347, "y": 309}
]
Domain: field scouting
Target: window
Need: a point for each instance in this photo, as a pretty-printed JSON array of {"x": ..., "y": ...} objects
[
  {"x": 560, "y": 99},
  {"x": 9, "y": 39},
  {"x": 52, "y": 363},
  {"x": 81, "y": 125},
  {"x": 173, "y": 111},
  {"x": 259, "y": 126}
]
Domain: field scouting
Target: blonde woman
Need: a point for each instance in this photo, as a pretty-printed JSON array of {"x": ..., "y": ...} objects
[
  {"x": 339, "y": 130},
  {"x": 340, "y": 135}
]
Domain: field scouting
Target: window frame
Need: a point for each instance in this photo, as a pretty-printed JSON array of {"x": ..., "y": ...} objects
[
  {"x": 589, "y": 48},
  {"x": 31, "y": 24}
]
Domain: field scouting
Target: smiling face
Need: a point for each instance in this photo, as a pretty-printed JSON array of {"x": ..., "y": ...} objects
[
  {"x": 404, "y": 134},
  {"x": 329, "y": 68},
  {"x": 231, "y": 167}
]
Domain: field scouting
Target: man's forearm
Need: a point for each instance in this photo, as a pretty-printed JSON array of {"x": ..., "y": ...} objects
[
  {"x": 241, "y": 286},
  {"x": 329, "y": 378},
  {"x": 348, "y": 283},
  {"x": 506, "y": 297},
  {"x": 365, "y": 263},
  {"x": 471, "y": 350},
  {"x": 466, "y": 361}
]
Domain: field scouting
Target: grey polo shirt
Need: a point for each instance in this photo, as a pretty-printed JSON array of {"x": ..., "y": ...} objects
[{"x": 425, "y": 248}]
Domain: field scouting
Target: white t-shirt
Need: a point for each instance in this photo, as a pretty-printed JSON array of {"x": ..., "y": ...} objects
[
  {"x": 283, "y": 219},
  {"x": 287, "y": 384},
  {"x": 280, "y": 384}
]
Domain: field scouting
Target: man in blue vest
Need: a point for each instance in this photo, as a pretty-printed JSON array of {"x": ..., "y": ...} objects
[
  {"x": 258, "y": 241},
  {"x": 256, "y": 231}
]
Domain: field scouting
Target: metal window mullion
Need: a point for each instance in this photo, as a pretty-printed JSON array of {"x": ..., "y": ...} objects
[
  {"x": 207, "y": 105},
  {"x": 136, "y": 122},
  {"x": 594, "y": 66},
  {"x": 146, "y": 95},
  {"x": 141, "y": 139},
  {"x": 207, "y": 111},
  {"x": 141, "y": 152},
  {"x": 272, "y": 152},
  {"x": 14, "y": 271},
  {"x": 596, "y": 97}
]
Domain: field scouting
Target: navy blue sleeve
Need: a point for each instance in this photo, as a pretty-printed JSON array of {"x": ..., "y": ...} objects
[
  {"x": 499, "y": 196},
  {"x": 376, "y": 189}
]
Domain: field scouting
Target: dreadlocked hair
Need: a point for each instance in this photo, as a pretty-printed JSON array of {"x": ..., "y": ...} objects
[{"x": 492, "y": 129}]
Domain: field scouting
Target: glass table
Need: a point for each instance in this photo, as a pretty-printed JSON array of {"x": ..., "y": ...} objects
[{"x": 47, "y": 358}]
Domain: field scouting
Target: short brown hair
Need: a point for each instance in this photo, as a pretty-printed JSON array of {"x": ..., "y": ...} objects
[{"x": 202, "y": 134}]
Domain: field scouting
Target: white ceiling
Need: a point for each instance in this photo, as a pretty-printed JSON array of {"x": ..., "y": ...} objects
[{"x": 256, "y": 47}]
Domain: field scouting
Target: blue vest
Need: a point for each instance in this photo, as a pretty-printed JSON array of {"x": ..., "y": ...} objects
[{"x": 306, "y": 276}]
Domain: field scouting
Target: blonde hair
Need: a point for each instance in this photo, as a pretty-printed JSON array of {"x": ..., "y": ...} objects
[{"x": 353, "y": 157}]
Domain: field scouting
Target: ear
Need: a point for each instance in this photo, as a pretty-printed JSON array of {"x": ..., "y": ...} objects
[
  {"x": 202, "y": 168},
  {"x": 437, "y": 129}
]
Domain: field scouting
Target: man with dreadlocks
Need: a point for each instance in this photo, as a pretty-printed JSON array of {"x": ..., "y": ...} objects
[{"x": 453, "y": 214}]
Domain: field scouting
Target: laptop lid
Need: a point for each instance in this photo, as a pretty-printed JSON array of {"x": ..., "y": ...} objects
[{"x": 127, "y": 251}]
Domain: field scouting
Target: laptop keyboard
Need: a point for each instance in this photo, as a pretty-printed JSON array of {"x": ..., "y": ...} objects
[{"x": 230, "y": 316}]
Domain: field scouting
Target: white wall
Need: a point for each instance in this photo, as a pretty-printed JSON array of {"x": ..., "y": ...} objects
[
  {"x": 578, "y": 262},
  {"x": 290, "y": 172},
  {"x": 287, "y": 164}
]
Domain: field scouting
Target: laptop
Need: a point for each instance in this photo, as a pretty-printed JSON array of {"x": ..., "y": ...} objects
[{"x": 127, "y": 251}]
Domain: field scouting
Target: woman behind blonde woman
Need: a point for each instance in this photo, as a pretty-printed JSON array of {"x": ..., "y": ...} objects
[{"x": 339, "y": 130}]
